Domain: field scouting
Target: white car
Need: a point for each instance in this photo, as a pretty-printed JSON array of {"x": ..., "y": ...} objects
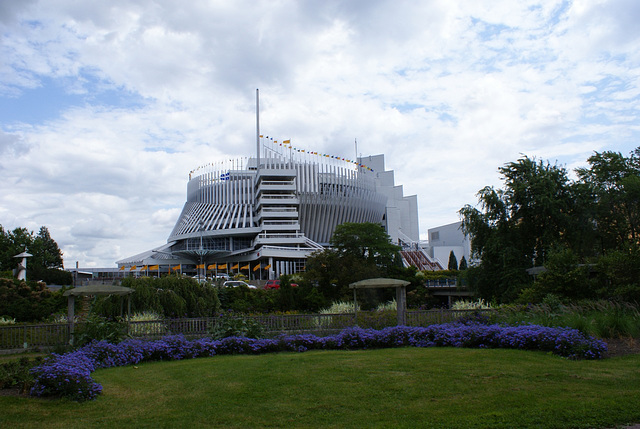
[{"x": 236, "y": 283}]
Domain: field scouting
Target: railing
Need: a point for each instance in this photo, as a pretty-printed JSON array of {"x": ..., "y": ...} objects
[
  {"x": 33, "y": 336},
  {"x": 46, "y": 336}
]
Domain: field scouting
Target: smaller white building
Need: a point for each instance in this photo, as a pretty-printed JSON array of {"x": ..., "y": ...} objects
[{"x": 446, "y": 238}]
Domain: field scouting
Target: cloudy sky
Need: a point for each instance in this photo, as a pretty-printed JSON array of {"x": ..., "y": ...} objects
[{"x": 105, "y": 106}]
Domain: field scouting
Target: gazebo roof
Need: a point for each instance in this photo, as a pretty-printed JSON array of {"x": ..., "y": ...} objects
[
  {"x": 377, "y": 283},
  {"x": 98, "y": 290}
]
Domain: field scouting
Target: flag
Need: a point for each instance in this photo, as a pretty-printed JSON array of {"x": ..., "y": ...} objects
[
  {"x": 246, "y": 267},
  {"x": 286, "y": 141},
  {"x": 200, "y": 266},
  {"x": 211, "y": 267},
  {"x": 122, "y": 268},
  {"x": 144, "y": 268},
  {"x": 222, "y": 267},
  {"x": 256, "y": 268},
  {"x": 154, "y": 267},
  {"x": 267, "y": 267},
  {"x": 177, "y": 267},
  {"x": 235, "y": 267},
  {"x": 133, "y": 267}
]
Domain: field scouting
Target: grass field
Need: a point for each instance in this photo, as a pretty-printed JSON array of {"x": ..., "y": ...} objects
[{"x": 407, "y": 387}]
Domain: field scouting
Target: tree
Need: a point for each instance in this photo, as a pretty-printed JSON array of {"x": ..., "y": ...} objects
[
  {"x": 46, "y": 264},
  {"x": 517, "y": 226},
  {"x": 463, "y": 264},
  {"x": 453, "y": 262},
  {"x": 359, "y": 251},
  {"x": 540, "y": 217},
  {"x": 613, "y": 182},
  {"x": 366, "y": 242}
]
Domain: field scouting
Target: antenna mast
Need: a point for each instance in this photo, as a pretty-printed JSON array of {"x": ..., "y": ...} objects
[{"x": 257, "y": 130}]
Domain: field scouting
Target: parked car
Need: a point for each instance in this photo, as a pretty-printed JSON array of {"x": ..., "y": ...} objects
[
  {"x": 237, "y": 283},
  {"x": 275, "y": 284}
]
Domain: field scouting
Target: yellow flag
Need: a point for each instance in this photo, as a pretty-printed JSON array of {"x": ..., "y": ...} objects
[
  {"x": 200, "y": 266},
  {"x": 177, "y": 267},
  {"x": 222, "y": 267},
  {"x": 122, "y": 268},
  {"x": 154, "y": 267},
  {"x": 235, "y": 267},
  {"x": 211, "y": 267},
  {"x": 256, "y": 268},
  {"x": 246, "y": 267},
  {"x": 144, "y": 268},
  {"x": 133, "y": 267},
  {"x": 267, "y": 267}
]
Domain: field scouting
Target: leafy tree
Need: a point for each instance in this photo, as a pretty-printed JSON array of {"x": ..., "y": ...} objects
[
  {"x": 541, "y": 218},
  {"x": 46, "y": 264},
  {"x": 366, "y": 242},
  {"x": 453, "y": 262},
  {"x": 359, "y": 251},
  {"x": 517, "y": 226},
  {"x": 619, "y": 274},
  {"x": 564, "y": 277},
  {"x": 614, "y": 184}
]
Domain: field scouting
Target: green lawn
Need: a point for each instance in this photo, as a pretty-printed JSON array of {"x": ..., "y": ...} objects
[{"x": 409, "y": 387}]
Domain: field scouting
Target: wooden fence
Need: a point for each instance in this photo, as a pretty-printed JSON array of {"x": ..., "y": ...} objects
[{"x": 47, "y": 336}]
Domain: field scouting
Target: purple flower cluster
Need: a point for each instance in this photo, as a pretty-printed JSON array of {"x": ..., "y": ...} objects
[{"x": 69, "y": 375}]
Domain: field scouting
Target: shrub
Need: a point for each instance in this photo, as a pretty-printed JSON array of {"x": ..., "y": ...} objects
[
  {"x": 97, "y": 328},
  {"x": 230, "y": 325},
  {"x": 471, "y": 305},
  {"x": 68, "y": 376},
  {"x": 388, "y": 306},
  {"x": 170, "y": 296},
  {"x": 146, "y": 323},
  {"x": 17, "y": 373},
  {"x": 4, "y": 320},
  {"x": 29, "y": 301},
  {"x": 339, "y": 307}
]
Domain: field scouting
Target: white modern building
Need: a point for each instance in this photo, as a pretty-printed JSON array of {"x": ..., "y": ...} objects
[
  {"x": 264, "y": 215},
  {"x": 446, "y": 239}
]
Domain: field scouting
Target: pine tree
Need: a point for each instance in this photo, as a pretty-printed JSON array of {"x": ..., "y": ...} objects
[{"x": 453, "y": 262}]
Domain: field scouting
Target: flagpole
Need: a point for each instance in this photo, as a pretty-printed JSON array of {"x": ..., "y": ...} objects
[{"x": 257, "y": 130}]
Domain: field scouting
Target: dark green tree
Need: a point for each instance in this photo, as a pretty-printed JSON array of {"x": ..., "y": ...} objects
[
  {"x": 463, "y": 264},
  {"x": 453, "y": 262},
  {"x": 515, "y": 227},
  {"x": 366, "y": 242},
  {"x": 613, "y": 182},
  {"x": 359, "y": 251},
  {"x": 45, "y": 265}
]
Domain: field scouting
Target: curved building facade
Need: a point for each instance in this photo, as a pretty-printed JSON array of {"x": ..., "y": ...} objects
[{"x": 264, "y": 215}]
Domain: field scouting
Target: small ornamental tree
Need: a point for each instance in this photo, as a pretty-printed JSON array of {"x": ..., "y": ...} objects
[
  {"x": 463, "y": 264},
  {"x": 453, "y": 262}
]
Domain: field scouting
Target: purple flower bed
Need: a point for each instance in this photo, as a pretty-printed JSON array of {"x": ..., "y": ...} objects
[{"x": 69, "y": 375}]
